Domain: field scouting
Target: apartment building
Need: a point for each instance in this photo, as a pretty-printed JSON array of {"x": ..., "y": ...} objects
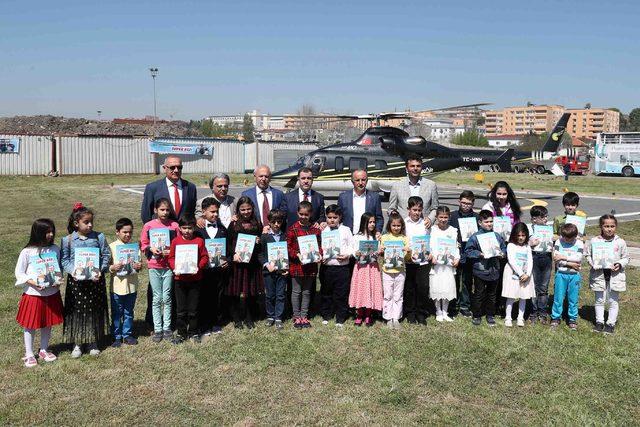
[
  {"x": 588, "y": 123},
  {"x": 522, "y": 120}
]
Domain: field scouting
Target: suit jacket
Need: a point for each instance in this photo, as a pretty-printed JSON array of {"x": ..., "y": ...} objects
[
  {"x": 228, "y": 201},
  {"x": 277, "y": 201},
  {"x": 373, "y": 205},
  {"x": 158, "y": 189},
  {"x": 400, "y": 194},
  {"x": 263, "y": 255},
  {"x": 290, "y": 206},
  {"x": 221, "y": 233}
]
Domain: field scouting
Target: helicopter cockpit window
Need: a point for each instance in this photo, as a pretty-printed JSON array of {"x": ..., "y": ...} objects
[
  {"x": 381, "y": 164},
  {"x": 339, "y": 164},
  {"x": 357, "y": 163}
]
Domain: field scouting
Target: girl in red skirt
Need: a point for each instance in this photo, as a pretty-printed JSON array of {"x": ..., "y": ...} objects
[{"x": 38, "y": 272}]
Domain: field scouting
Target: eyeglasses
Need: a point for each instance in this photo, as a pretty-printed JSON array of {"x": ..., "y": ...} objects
[{"x": 173, "y": 168}]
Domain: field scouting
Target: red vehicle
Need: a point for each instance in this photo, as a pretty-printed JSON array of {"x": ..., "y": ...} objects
[{"x": 578, "y": 164}]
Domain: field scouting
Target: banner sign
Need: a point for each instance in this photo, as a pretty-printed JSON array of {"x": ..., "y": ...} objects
[
  {"x": 9, "y": 145},
  {"x": 169, "y": 147}
]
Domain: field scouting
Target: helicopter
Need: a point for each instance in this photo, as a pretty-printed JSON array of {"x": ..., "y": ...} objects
[{"x": 381, "y": 151}]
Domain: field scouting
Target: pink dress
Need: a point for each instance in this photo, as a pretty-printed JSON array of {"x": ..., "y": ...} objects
[{"x": 366, "y": 283}]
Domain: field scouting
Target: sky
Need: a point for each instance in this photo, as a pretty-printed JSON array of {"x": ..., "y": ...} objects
[{"x": 74, "y": 58}]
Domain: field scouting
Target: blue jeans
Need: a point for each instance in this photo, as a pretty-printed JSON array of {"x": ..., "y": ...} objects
[
  {"x": 566, "y": 284},
  {"x": 122, "y": 315},
  {"x": 161, "y": 280},
  {"x": 542, "y": 265},
  {"x": 275, "y": 287}
]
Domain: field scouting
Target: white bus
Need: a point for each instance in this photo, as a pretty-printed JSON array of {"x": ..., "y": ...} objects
[{"x": 618, "y": 153}]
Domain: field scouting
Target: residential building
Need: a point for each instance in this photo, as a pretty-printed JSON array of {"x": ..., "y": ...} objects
[
  {"x": 522, "y": 120},
  {"x": 588, "y": 123}
]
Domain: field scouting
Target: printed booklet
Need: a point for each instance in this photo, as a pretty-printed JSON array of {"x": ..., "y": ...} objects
[
  {"x": 309, "y": 250},
  {"x": 468, "y": 227},
  {"x": 602, "y": 254},
  {"x": 489, "y": 245},
  {"x": 368, "y": 251},
  {"x": 277, "y": 255},
  {"x": 217, "y": 250},
  {"x": 86, "y": 264},
  {"x": 330, "y": 244},
  {"x": 244, "y": 246},
  {"x": 502, "y": 226},
  {"x": 44, "y": 269},
  {"x": 578, "y": 221},
  {"x": 445, "y": 250},
  {"x": 186, "y": 259},
  {"x": 127, "y": 254},
  {"x": 160, "y": 238},
  {"x": 521, "y": 261},
  {"x": 420, "y": 249},
  {"x": 394, "y": 254},
  {"x": 544, "y": 233}
]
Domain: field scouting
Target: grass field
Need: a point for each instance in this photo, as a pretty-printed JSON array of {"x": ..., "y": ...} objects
[{"x": 439, "y": 374}]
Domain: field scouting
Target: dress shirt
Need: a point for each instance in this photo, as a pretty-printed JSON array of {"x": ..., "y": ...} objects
[
  {"x": 224, "y": 212},
  {"x": 211, "y": 228},
  {"x": 346, "y": 245},
  {"x": 301, "y": 195},
  {"x": 414, "y": 228},
  {"x": 260, "y": 199},
  {"x": 414, "y": 190},
  {"x": 171, "y": 191},
  {"x": 359, "y": 207}
]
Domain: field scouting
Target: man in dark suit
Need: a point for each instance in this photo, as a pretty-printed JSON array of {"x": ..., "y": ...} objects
[
  {"x": 305, "y": 193},
  {"x": 183, "y": 194},
  {"x": 358, "y": 201},
  {"x": 263, "y": 196}
]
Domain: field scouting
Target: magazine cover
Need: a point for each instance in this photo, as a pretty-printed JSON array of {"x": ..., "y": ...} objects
[
  {"x": 468, "y": 227},
  {"x": 159, "y": 238},
  {"x": 216, "y": 248},
  {"x": 45, "y": 269},
  {"x": 445, "y": 250},
  {"x": 186, "y": 259},
  {"x": 330, "y": 244},
  {"x": 244, "y": 246},
  {"x": 277, "y": 255},
  {"x": 578, "y": 221},
  {"x": 368, "y": 251},
  {"x": 420, "y": 249},
  {"x": 521, "y": 262},
  {"x": 86, "y": 264},
  {"x": 502, "y": 226},
  {"x": 393, "y": 254},
  {"x": 309, "y": 251},
  {"x": 489, "y": 245},
  {"x": 127, "y": 254},
  {"x": 545, "y": 234},
  {"x": 602, "y": 254}
]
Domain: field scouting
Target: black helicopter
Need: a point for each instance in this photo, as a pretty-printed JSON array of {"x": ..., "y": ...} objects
[{"x": 381, "y": 151}]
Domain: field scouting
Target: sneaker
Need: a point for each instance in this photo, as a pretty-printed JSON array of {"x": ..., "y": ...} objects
[
  {"x": 543, "y": 319},
  {"x": 130, "y": 341},
  {"x": 207, "y": 333},
  {"x": 177, "y": 340},
  {"x": 305, "y": 323},
  {"x": 167, "y": 335},
  {"x": 93, "y": 350},
  {"x": 508, "y": 322},
  {"x": 196, "y": 338},
  {"x": 157, "y": 337},
  {"x": 279, "y": 325},
  {"x": 446, "y": 318},
  {"x": 554, "y": 323},
  {"x": 368, "y": 322},
  {"x": 30, "y": 362},
  {"x": 390, "y": 324},
  {"x": 609, "y": 329},
  {"x": 491, "y": 321},
  {"x": 77, "y": 352},
  {"x": 439, "y": 318},
  {"x": 465, "y": 312},
  {"x": 269, "y": 322},
  {"x": 216, "y": 330},
  {"x": 238, "y": 325},
  {"x": 358, "y": 321},
  {"x": 532, "y": 319},
  {"x": 297, "y": 323},
  {"x": 421, "y": 320},
  {"x": 339, "y": 325},
  {"x": 249, "y": 324},
  {"x": 598, "y": 327},
  {"x": 47, "y": 356},
  {"x": 476, "y": 321},
  {"x": 396, "y": 324},
  {"x": 573, "y": 326},
  {"x": 325, "y": 322},
  {"x": 520, "y": 322},
  {"x": 116, "y": 344}
]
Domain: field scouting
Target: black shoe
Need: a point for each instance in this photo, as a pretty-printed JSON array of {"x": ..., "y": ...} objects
[
  {"x": 609, "y": 329},
  {"x": 269, "y": 322},
  {"x": 477, "y": 321},
  {"x": 411, "y": 320},
  {"x": 238, "y": 325},
  {"x": 249, "y": 324},
  {"x": 177, "y": 340},
  {"x": 116, "y": 344},
  {"x": 167, "y": 335},
  {"x": 598, "y": 327},
  {"x": 157, "y": 337},
  {"x": 196, "y": 338},
  {"x": 491, "y": 321},
  {"x": 421, "y": 320},
  {"x": 130, "y": 341},
  {"x": 465, "y": 313}
]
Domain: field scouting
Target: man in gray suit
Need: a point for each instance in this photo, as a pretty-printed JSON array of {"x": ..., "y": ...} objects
[
  {"x": 219, "y": 185},
  {"x": 414, "y": 185}
]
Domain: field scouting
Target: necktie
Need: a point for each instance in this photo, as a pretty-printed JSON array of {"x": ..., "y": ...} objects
[
  {"x": 176, "y": 197},
  {"x": 305, "y": 196},
  {"x": 265, "y": 208}
]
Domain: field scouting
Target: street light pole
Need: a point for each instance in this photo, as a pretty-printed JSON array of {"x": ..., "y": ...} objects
[{"x": 154, "y": 73}]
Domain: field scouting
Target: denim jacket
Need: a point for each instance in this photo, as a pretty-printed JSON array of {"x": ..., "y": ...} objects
[
  {"x": 93, "y": 240},
  {"x": 484, "y": 268}
]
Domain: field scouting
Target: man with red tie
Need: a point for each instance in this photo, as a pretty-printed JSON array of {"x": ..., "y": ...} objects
[
  {"x": 183, "y": 194},
  {"x": 263, "y": 195},
  {"x": 307, "y": 194}
]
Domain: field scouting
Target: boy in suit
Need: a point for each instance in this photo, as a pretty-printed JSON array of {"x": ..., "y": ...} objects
[{"x": 274, "y": 272}]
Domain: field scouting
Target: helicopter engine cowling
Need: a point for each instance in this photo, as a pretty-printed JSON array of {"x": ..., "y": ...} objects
[
  {"x": 415, "y": 140},
  {"x": 386, "y": 142}
]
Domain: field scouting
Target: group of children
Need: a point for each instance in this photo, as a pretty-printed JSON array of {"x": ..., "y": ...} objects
[{"x": 517, "y": 267}]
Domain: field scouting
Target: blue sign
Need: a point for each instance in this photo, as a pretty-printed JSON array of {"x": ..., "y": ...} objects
[
  {"x": 169, "y": 147},
  {"x": 9, "y": 145}
]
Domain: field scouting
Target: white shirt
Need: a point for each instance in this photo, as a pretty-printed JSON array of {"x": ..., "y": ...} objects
[
  {"x": 346, "y": 245},
  {"x": 359, "y": 207},
  {"x": 170, "y": 186},
  {"x": 211, "y": 231},
  {"x": 22, "y": 273},
  {"x": 260, "y": 198},
  {"x": 301, "y": 195},
  {"x": 414, "y": 228},
  {"x": 224, "y": 213},
  {"x": 414, "y": 190}
]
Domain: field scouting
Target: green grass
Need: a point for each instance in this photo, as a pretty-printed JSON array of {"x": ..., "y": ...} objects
[
  {"x": 590, "y": 184},
  {"x": 439, "y": 374}
]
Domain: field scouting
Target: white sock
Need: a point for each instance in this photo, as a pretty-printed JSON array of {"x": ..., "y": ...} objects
[
  {"x": 445, "y": 307},
  {"x": 521, "y": 305},
  {"x": 28, "y": 342},
  {"x": 508, "y": 308},
  {"x": 45, "y": 334}
]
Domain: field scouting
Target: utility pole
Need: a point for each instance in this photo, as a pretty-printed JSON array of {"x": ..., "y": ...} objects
[{"x": 154, "y": 74}]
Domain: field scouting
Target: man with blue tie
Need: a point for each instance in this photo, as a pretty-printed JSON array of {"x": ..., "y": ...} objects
[
  {"x": 263, "y": 196},
  {"x": 305, "y": 193},
  {"x": 358, "y": 201}
]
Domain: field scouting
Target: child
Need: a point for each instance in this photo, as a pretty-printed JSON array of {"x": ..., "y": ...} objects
[
  {"x": 274, "y": 276},
  {"x": 123, "y": 288},
  {"x": 503, "y": 202},
  {"x": 442, "y": 287},
  {"x": 187, "y": 286},
  {"x": 542, "y": 266},
  {"x": 160, "y": 275},
  {"x": 570, "y": 201},
  {"x": 40, "y": 306},
  {"x": 303, "y": 277},
  {"x": 334, "y": 272},
  {"x": 393, "y": 277},
  {"x": 214, "y": 279},
  {"x": 246, "y": 282},
  {"x": 486, "y": 271},
  {"x": 85, "y": 301},
  {"x": 516, "y": 280},
  {"x": 365, "y": 294},
  {"x": 612, "y": 280},
  {"x": 567, "y": 254},
  {"x": 416, "y": 283},
  {"x": 464, "y": 274}
]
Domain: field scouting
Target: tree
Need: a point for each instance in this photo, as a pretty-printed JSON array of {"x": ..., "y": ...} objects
[
  {"x": 587, "y": 106},
  {"x": 634, "y": 120},
  {"x": 472, "y": 138},
  {"x": 247, "y": 128}
]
